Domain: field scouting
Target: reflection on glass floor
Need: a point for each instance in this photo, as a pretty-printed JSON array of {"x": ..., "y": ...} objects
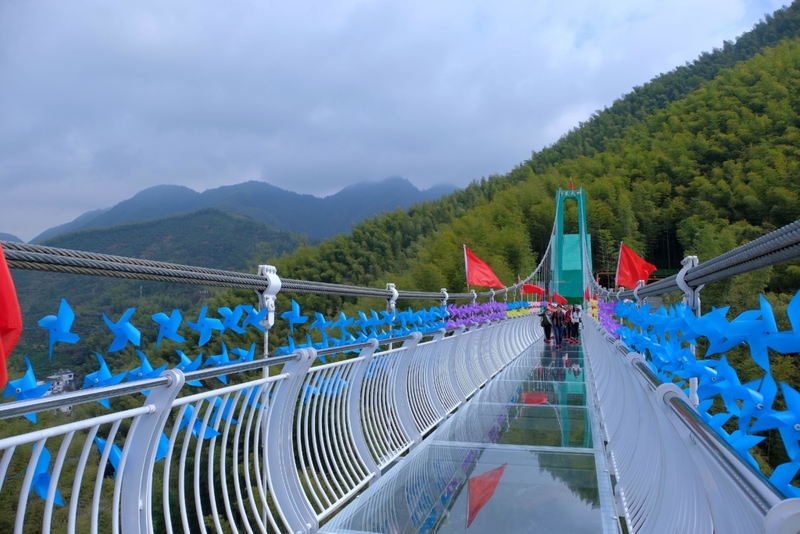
[{"x": 518, "y": 457}]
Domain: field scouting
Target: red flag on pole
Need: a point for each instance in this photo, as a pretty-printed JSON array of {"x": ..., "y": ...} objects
[
  {"x": 571, "y": 185},
  {"x": 586, "y": 295},
  {"x": 481, "y": 489},
  {"x": 478, "y": 272},
  {"x": 631, "y": 268},
  {"x": 558, "y": 298},
  {"x": 531, "y": 289},
  {"x": 10, "y": 317}
]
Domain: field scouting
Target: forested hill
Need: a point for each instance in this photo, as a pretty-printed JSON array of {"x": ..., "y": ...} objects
[
  {"x": 593, "y": 135},
  {"x": 703, "y": 174}
]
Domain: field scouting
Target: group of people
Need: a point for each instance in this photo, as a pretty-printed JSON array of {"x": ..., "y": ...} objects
[{"x": 559, "y": 323}]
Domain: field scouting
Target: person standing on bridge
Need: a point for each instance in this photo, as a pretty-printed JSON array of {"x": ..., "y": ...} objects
[
  {"x": 576, "y": 321},
  {"x": 558, "y": 321},
  {"x": 545, "y": 323}
]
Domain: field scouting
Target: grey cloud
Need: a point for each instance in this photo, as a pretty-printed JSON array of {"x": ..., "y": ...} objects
[{"x": 99, "y": 101}]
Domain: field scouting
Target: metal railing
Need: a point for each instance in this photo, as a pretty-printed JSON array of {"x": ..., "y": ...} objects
[
  {"x": 280, "y": 448},
  {"x": 672, "y": 472}
]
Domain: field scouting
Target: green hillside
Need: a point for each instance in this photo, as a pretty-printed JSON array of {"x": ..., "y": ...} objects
[
  {"x": 704, "y": 174},
  {"x": 698, "y": 161},
  {"x": 206, "y": 238}
]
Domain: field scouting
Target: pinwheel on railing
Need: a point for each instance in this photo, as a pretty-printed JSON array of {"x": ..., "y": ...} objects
[
  {"x": 665, "y": 336},
  {"x": 205, "y": 326},
  {"x": 123, "y": 330},
  {"x": 41, "y": 476},
  {"x": 59, "y": 326},
  {"x": 26, "y": 388},
  {"x": 168, "y": 327},
  {"x": 102, "y": 377}
]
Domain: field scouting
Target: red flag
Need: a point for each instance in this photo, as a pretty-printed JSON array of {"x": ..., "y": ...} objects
[
  {"x": 478, "y": 273},
  {"x": 571, "y": 185},
  {"x": 10, "y": 317},
  {"x": 530, "y": 289},
  {"x": 481, "y": 489},
  {"x": 558, "y": 298},
  {"x": 586, "y": 294},
  {"x": 534, "y": 397},
  {"x": 631, "y": 268}
]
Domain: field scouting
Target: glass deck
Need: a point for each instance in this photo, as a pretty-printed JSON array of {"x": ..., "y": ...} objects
[{"x": 534, "y": 419}]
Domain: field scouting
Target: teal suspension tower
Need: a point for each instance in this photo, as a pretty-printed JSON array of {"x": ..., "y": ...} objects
[{"x": 566, "y": 249}]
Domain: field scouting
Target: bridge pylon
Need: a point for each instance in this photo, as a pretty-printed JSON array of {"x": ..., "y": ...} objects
[{"x": 567, "y": 251}]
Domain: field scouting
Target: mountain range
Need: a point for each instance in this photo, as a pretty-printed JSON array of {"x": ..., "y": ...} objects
[
  {"x": 316, "y": 217},
  {"x": 9, "y": 237}
]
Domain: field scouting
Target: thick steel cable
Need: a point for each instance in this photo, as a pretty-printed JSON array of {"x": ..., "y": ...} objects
[
  {"x": 776, "y": 247},
  {"x": 39, "y": 258}
]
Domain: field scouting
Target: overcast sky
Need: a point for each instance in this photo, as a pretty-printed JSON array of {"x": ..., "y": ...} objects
[{"x": 99, "y": 99}]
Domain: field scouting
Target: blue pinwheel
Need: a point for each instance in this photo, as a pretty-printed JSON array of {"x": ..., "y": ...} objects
[
  {"x": 26, "y": 388},
  {"x": 787, "y": 423},
  {"x": 245, "y": 355},
  {"x": 187, "y": 365},
  {"x": 219, "y": 360},
  {"x": 42, "y": 477},
  {"x": 59, "y": 325},
  {"x": 169, "y": 327},
  {"x": 288, "y": 349},
  {"x": 342, "y": 323},
  {"x": 163, "y": 447},
  {"x": 226, "y": 411},
  {"x": 320, "y": 323},
  {"x": 101, "y": 378},
  {"x": 114, "y": 455},
  {"x": 197, "y": 426},
  {"x": 254, "y": 317},
  {"x": 123, "y": 330},
  {"x": 205, "y": 325},
  {"x": 145, "y": 370},
  {"x": 231, "y": 319},
  {"x": 293, "y": 316}
]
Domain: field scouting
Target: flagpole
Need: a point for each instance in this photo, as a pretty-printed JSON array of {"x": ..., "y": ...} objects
[
  {"x": 466, "y": 265},
  {"x": 616, "y": 276}
]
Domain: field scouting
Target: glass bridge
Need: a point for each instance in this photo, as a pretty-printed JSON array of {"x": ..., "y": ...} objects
[
  {"x": 453, "y": 418},
  {"x": 534, "y": 421}
]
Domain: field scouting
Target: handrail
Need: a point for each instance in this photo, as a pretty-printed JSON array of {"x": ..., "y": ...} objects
[
  {"x": 721, "y": 449},
  {"x": 747, "y": 476}
]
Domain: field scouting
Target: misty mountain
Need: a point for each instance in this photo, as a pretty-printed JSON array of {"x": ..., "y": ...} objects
[
  {"x": 316, "y": 217},
  {"x": 207, "y": 237},
  {"x": 9, "y": 237}
]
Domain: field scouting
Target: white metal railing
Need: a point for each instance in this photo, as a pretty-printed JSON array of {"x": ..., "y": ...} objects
[
  {"x": 279, "y": 448},
  {"x": 672, "y": 472}
]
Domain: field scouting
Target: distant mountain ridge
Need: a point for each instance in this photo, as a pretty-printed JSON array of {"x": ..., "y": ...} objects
[
  {"x": 9, "y": 237},
  {"x": 316, "y": 217},
  {"x": 208, "y": 237}
]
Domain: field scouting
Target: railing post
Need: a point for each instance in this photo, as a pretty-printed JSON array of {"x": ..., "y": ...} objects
[
  {"x": 452, "y": 365},
  {"x": 354, "y": 409},
  {"x": 400, "y": 393},
  {"x": 282, "y": 475},
  {"x": 691, "y": 297},
  {"x": 136, "y": 514}
]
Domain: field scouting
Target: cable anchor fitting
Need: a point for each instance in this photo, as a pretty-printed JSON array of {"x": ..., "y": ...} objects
[
  {"x": 391, "y": 302},
  {"x": 266, "y": 298}
]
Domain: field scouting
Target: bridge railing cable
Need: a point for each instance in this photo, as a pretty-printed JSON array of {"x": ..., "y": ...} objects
[{"x": 773, "y": 248}]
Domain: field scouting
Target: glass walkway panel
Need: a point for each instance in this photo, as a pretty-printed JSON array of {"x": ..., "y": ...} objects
[{"x": 524, "y": 453}]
